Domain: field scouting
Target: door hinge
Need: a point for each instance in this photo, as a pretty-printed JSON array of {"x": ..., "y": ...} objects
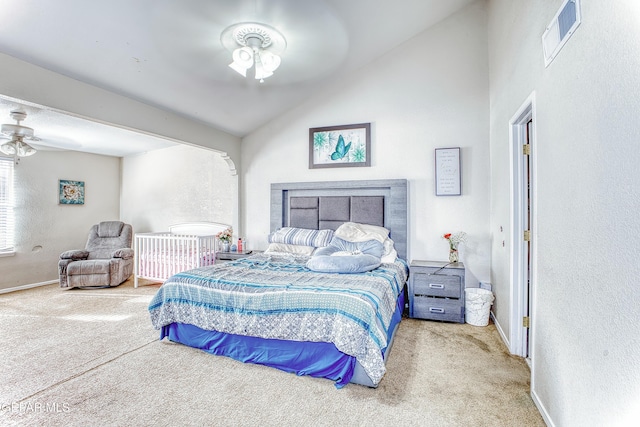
[
  {"x": 526, "y": 149},
  {"x": 527, "y": 236},
  {"x": 525, "y": 322}
]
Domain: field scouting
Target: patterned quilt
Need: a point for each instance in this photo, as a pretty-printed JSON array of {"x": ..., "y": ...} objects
[{"x": 276, "y": 296}]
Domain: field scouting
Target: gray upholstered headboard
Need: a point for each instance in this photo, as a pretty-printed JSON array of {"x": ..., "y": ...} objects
[
  {"x": 326, "y": 205},
  {"x": 329, "y": 212}
]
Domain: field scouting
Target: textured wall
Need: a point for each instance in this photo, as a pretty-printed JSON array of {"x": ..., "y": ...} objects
[
  {"x": 586, "y": 344},
  {"x": 428, "y": 93},
  {"x": 175, "y": 185},
  {"x": 152, "y": 191},
  {"x": 44, "y": 228}
]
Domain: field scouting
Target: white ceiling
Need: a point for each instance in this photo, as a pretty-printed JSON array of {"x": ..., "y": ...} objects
[
  {"x": 168, "y": 54},
  {"x": 57, "y": 131}
]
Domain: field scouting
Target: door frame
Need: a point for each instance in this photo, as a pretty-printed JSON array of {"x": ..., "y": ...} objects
[{"x": 518, "y": 294}]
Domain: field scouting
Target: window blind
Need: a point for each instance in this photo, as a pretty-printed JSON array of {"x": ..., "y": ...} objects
[{"x": 6, "y": 205}]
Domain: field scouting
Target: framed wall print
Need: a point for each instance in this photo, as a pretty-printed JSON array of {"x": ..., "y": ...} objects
[
  {"x": 71, "y": 192},
  {"x": 448, "y": 172},
  {"x": 340, "y": 146}
]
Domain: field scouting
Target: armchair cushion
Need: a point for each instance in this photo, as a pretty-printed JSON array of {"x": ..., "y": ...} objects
[
  {"x": 74, "y": 254},
  {"x": 101, "y": 242},
  {"x": 110, "y": 228},
  {"x": 124, "y": 253},
  {"x": 88, "y": 267}
]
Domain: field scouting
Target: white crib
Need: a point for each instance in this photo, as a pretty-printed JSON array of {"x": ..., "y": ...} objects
[{"x": 185, "y": 246}]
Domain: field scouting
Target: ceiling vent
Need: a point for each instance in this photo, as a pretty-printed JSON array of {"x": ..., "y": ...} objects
[{"x": 561, "y": 28}]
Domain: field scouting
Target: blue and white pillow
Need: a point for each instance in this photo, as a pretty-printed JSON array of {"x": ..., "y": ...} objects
[
  {"x": 301, "y": 236},
  {"x": 342, "y": 256},
  {"x": 343, "y": 264}
]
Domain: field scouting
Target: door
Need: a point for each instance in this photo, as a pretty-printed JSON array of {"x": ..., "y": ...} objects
[
  {"x": 522, "y": 257},
  {"x": 526, "y": 210}
]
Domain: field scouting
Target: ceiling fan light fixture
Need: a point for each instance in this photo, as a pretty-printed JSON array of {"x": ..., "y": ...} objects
[
  {"x": 17, "y": 147},
  {"x": 261, "y": 72},
  {"x": 270, "y": 61},
  {"x": 254, "y": 45},
  {"x": 8, "y": 148},
  {"x": 25, "y": 150},
  {"x": 242, "y": 60}
]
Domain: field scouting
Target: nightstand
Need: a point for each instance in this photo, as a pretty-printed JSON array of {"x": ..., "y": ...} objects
[
  {"x": 232, "y": 256},
  {"x": 436, "y": 291}
]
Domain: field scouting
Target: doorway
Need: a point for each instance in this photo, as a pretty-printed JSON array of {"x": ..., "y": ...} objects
[{"x": 523, "y": 229}]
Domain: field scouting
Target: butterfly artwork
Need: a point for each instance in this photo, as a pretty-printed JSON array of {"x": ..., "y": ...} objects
[
  {"x": 341, "y": 149},
  {"x": 340, "y": 146}
]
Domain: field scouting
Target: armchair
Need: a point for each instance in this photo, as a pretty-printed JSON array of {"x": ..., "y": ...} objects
[{"x": 107, "y": 259}]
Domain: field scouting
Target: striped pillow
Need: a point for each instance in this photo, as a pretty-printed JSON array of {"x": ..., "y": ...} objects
[{"x": 301, "y": 236}]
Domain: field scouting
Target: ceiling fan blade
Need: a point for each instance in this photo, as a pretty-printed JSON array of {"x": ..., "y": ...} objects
[
  {"x": 56, "y": 144},
  {"x": 47, "y": 148}
]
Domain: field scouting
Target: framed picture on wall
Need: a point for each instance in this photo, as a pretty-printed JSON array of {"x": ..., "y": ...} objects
[
  {"x": 340, "y": 146},
  {"x": 448, "y": 172},
  {"x": 71, "y": 192}
]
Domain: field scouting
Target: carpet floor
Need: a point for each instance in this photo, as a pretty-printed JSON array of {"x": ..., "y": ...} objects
[{"x": 91, "y": 357}]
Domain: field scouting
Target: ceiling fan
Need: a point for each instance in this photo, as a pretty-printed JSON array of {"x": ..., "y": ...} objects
[{"x": 17, "y": 133}]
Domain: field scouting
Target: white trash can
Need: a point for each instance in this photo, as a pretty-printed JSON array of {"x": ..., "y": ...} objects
[{"x": 477, "y": 306}]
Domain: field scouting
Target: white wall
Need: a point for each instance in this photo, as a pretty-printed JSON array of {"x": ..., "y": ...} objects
[
  {"x": 44, "y": 228},
  {"x": 176, "y": 185},
  {"x": 586, "y": 344},
  {"x": 428, "y": 93}
]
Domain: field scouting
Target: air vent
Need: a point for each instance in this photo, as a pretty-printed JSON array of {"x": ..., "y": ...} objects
[{"x": 560, "y": 30}]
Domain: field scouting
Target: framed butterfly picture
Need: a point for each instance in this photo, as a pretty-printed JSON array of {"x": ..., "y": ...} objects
[{"x": 340, "y": 146}]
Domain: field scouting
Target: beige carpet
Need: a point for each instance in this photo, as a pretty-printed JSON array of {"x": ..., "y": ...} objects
[{"x": 91, "y": 357}]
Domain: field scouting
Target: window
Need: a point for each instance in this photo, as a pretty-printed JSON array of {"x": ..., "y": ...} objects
[{"x": 6, "y": 206}]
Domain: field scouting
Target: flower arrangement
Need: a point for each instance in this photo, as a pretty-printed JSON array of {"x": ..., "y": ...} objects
[
  {"x": 225, "y": 235},
  {"x": 454, "y": 240}
]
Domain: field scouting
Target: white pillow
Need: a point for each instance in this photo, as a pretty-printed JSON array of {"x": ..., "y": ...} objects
[
  {"x": 291, "y": 249},
  {"x": 356, "y": 232},
  {"x": 390, "y": 254}
]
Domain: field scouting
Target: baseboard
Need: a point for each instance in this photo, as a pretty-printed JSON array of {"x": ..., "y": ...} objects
[
  {"x": 500, "y": 330},
  {"x": 32, "y": 285},
  {"x": 532, "y": 393},
  {"x": 542, "y": 410}
]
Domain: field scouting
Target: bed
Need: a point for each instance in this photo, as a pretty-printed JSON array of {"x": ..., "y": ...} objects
[
  {"x": 160, "y": 255},
  {"x": 273, "y": 310}
]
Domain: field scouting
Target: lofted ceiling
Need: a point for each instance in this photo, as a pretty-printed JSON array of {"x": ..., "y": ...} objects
[{"x": 168, "y": 54}]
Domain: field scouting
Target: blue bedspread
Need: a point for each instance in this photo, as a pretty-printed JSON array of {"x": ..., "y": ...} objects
[{"x": 277, "y": 297}]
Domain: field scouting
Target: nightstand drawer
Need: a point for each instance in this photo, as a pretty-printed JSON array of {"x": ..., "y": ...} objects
[
  {"x": 438, "y": 309},
  {"x": 436, "y": 291},
  {"x": 437, "y": 285}
]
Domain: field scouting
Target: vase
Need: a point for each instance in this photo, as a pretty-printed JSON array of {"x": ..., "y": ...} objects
[
  {"x": 225, "y": 246},
  {"x": 453, "y": 255}
]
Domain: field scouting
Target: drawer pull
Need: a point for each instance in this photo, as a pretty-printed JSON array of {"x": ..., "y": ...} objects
[
  {"x": 436, "y": 285},
  {"x": 436, "y": 310}
]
